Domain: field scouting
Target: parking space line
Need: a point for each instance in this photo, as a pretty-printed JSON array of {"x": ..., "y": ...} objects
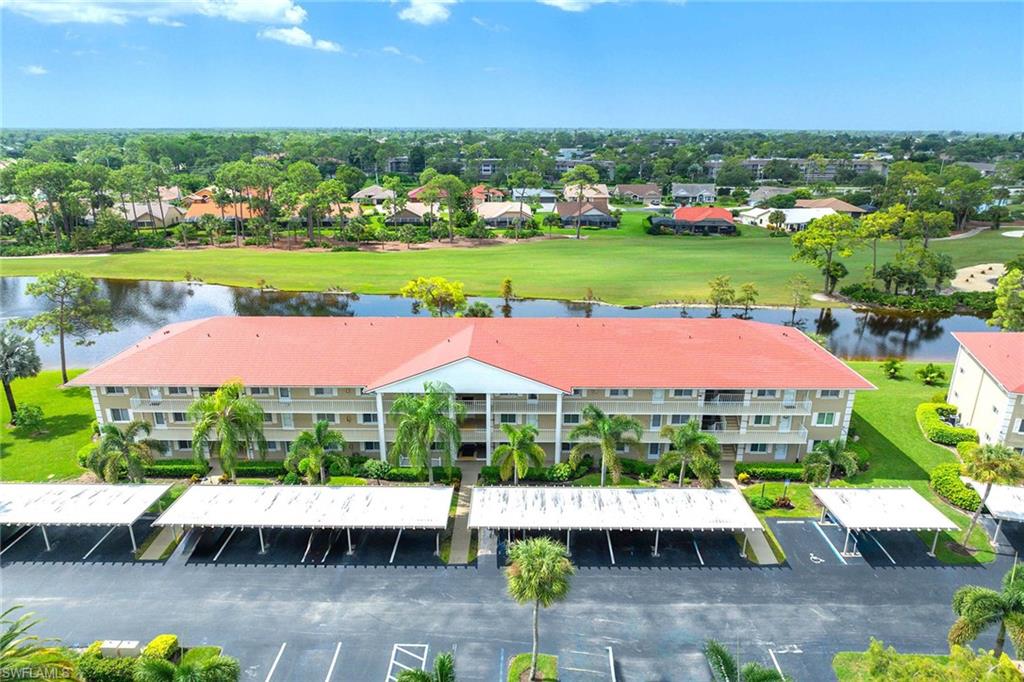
[
  {"x": 334, "y": 661},
  {"x": 776, "y": 662},
  {"x": 882, "y": 547},
  {"x": 16, "y": 540},
  {"x": 105, "y": 536},
  {"x": 697, "y": 549},
  {"x": 270, "y": 673},
  {"x": 789, "y": 521},
  {"x": 834, "y": 550},
  {"x": 405, "y": 649},
  {"x": 230, "y": 535}
]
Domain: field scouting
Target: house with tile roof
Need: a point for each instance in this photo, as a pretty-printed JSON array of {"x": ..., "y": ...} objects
[
  {"x": 837, "y": 205},
  {"x": 482, "y": 193},
  {"x": 698, "y": 220},
  {"x": 590, "y": 214},
  {"x": 648, "y": 193},
  {"x": 688, "y": 193},
  {"x": 766, "y": 392},
  {"x": 987, "y": 386},
  {"x": 503, "y": 213},
  {"x": 374, "y": 194}
]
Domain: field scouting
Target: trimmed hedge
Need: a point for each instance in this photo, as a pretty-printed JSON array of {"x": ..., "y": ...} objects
[
  {"x": 175, "y": 468},
  {"x": 929, "y": 417},
  {"x": 92, "y": 668},
  {"x": 636, "y": 467},
  {"x": 411, "y": 475},
  {"x": 945, "y": 480},
  {"x": 556, "y": 473},
  {"x": 965, "y": 447},
  {"x": 771, "y": 471},
  {"x": 162, "y": 646}
]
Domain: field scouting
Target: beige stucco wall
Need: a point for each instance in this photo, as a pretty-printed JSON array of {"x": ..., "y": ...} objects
[{"x": 983, "y": 404}]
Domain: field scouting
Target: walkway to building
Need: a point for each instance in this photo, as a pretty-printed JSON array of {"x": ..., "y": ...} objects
[{"x": 462, "y": 536}]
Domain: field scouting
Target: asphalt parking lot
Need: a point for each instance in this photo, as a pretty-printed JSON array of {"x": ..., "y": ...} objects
[
  {"x": 93, "y": 544},
  {"x": 809, "y": 543}
]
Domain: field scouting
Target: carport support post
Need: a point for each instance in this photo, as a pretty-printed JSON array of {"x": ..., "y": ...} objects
[
  {"x": 743, "y": 552},
  {"x": 935, "y": 543},
  {"x": 568, "y": 547},
  {"x": 263, "y": 547},
  {"x": 437, "y": 543},
  {"x": 846, "y": 542},
  {"x": 131, "y": 534},
  {"x": 823, "y": 510},
  {"x": 995, "y": 536},
  {"x": 348, "y": 536},
  {"x": 380, "y": 427},
  {"x": 657, "y": 535},
  {"x": 46, "y": 538}
]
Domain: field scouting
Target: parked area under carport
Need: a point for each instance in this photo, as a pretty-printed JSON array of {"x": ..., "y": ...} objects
[
  {"x": 862, "y": 512},
  {"x": 76, "y": 509},
  {"x": 1004, "y": 503},
  {"x": 307, "y": 523},
  {"x": 638, "y": 516}
]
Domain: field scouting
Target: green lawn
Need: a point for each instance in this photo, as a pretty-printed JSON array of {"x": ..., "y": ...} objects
[
  {"x": 624, "y": 266},
  {"x": 798, "y": 493},
  {"x": 346, "y": 480},
  {"x": 547, "y": 668},
  {"x": 852, "y": 666},
  {"x": 52, "y": 454}
]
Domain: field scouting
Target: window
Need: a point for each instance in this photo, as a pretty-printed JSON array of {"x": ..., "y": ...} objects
[
  {"x": 368, "y": 418},
  {"x": 658, "y": 395},
  {"x": 622, "y": 448},
  {"x": 653, "y": 450},
  {"x": 682, "y": 393},
  {"x": 566, "y": 447},
  {"x": 825, "y": 419},
  {"x": 618, "y": 392},
  {"x": 259, "y": 390},
  {"x": 272, "y": 445},
  {"x": 178, "y": 417},
  {"x": 506, "y": 418},
  {"x": 113, "y": 390},
  {"x": 758, "y": 447},
  {"x": 531, "y": 397},
  {"x": 1020, "y": 426},
  {"x": 679, "y": 419},
  {"x": 570, "y": 419},
  {"x": 578, "y": 392},
  {"x": 268, "y": 417},
  {"x": 160, "y": 419},
  {"x": 371, "y": 445},
  {"x": 184, "y": 444},
  {"x": 177, "y": 390},
  {"x": 287, "y": 420},
  {"x": 119, "y": 414},
  {"x": 284, "y": 394},
  {"x": 656, "y": 421},
  {"x": 829, "y": 393},
  {"x": 762, "y": 420},
  {"x": 324, "y": 391},
  {"x": 767, "y": 393},
  {"x": 531, "y": 419},
  {"x": 155, "y": 395},
  {"x": 328, "y": 417}
]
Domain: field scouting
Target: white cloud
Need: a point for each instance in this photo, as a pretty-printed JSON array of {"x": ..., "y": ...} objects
[
  {"x": 426, "y": 12},
  {"x": 574, "y": 5},
  {"x": 162, "y": 21},
  {"x": 114, "y": 12},
  {"x": 297, "y": 37},
  {"x": 486, "y": 25},
  {"x": 34, "y": 70},
  {"x": 392, "y": 50}
]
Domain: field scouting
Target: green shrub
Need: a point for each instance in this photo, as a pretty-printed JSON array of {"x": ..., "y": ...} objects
[
  {"x": 92, "y": 668},
  {"x": 292, "y": 478},
  {"x": 29, "y": 418},
  {"x": 762, "y": 502},
  {"x": 559, "y": 473},
  {"x": 931, "y": 374},
  {"x": 375, "y": 469},
  {"x": 175, "y": 468},
  {"x": 162, "y": 646},
  {"x": 977, "y": 302},
  {"x": 636, "y": 467},
  {"x": 340, "y": 466},
  {"x": 929, "y": 418},
  {"x": 946, "y": 483},
  {"x": 260, "y": 469},
  {"x": 84, "y": 452},
  {"x": 965, "y": 447},
  {"x": 771, "y": 471}
]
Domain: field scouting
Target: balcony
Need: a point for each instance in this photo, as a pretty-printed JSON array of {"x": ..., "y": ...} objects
[{"x": 271, "y": 405}]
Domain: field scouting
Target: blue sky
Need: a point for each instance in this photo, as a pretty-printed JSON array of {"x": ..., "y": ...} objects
[{"x": 553, "y": 63}]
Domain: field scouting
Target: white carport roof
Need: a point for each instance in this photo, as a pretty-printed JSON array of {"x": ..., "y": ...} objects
[
  {"x": 1005, "y": 502},
  {"x": 75, "y": 504},
  {"x": 610, "y": 509},
  {"x": 293, "y": 506},
  {"x": 882, "y": 509}
]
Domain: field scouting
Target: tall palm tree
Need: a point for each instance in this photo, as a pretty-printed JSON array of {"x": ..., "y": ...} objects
[
  {"x": 18, "y": 360},
  {"x": 825, "y": 458},
  {"x": 309, "y": 453},
  {"x": 724, "y": 667},
  {"x": 229, "y": 422},
  {"x": 688, "y": 446},
  {"x": 212, "y": 669},
  {"x": 538, "y": 573},
  {"x": 424, "y": 419},
  {"x": 611, "y": 432},
  {"x": 979, "y": 608},
  {"x": 444, "y": 671},
  {"x": 122, "y": 450},
  {"x": 988, "y": 465},
  {"x": 520, "y": 453},
  {"x": 26, "y": 656}
]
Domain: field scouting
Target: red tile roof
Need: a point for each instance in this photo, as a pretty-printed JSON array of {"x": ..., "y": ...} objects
[
  {"x": 560, "y": 352},
  {"x": 696, "y": 214},
  {"x": 18, "y": 209},
  {"x": 483, "y": 191},
  {"x": 1001, "y": 353}
]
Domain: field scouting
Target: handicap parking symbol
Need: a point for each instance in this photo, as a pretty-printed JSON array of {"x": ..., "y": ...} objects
[{"x": 815, "y": 559}]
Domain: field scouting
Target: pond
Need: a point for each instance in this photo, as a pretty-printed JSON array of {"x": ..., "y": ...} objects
[{"x": 140, "y": 307}]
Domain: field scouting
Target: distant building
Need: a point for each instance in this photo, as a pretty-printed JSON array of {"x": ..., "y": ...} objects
[
  {"x": 398, "y": 165},
  {"x": 796, "y": 219},
  {"x": 649, "y": 193},
  {"x": 596, "y": 194},
  {"x": 538, "y": 195},
  {"x": 503, "y": 213},
  {"x": 765, "y": 193},
  {"x": 590, "y": 215},
  {"x": 837, "y": 205},
  {"x": 482, "y": 193},
  {"x": 698, "y": 220},
  {"x": 374, "y": 194},
  {"x": 987, "y": 170},
  {"x": 810, "y": 170},
  {"x": 413, "y": 213},
  {"x": 687, "y": 194},
  {"x": 154, "y": 213}
]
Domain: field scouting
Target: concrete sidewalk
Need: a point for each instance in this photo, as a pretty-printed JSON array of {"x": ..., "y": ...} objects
[{"x": 461, "y": 534}]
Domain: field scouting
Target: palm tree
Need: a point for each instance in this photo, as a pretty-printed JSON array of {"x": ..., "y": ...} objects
[
  {"x": 689, "y": 445},
  {"x": 18, "y": 360},
  {"x": 423, "y": 420},
  {"x": 825, "y": 458},
  {"x": 979, "y": 608},
  {"x": 724, "y": 667},
  {"x": 122, "y": 450},
  {"x": 309, "y": 453},
  {"x": 990, "y": 464},
  {"x": 444, "y": 671},
  {"x": 211, "y": 669},
  {"x": 25, "y": 656},
  {"x": 538, "y": 573},
  {"x": 611, "y": 432},
  {"x": 229, "y": 422},
  {"x": 520, "y": 453}
]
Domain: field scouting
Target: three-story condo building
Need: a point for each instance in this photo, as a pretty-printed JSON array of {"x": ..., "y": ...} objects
[
  {"x": 767, "y": 392},
  {"x": 987, "y": 386}
]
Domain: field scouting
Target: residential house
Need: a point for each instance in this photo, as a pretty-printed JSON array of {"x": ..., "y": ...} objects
[
  {"x": 486, "y": 168},
  {"x": 595, "y": 194},
  {"x": 837, "y": 205},
  {"x": 648, "y": 193},
  {"x": 688, "y": 193},
  {"x": 987, "y": 386},
  {"x": 796, "y": 219},
  {"x": 205, "y": 205},
  {"x": 413, "y": 213},
  {"x": 698, "y": 220},
  {"x": 987, "y": 170},
  {"x": 482, "y": 193},
  {"x": 340, "y": 214},
  {"x": 536, "y": 195},
  {"x": 766, "y": 392},
  {"x": 142, "y": 214},
  {"x": 590, "y": 214},
  {"x": 374, "y": 194},
  {"x": 17, "y": 209},
  {"x": 755, "y": 216},
  {"x": 766, "y": 192},
  {"x": 170, "y": 193},
  {"x": 503, "y": 213}
]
